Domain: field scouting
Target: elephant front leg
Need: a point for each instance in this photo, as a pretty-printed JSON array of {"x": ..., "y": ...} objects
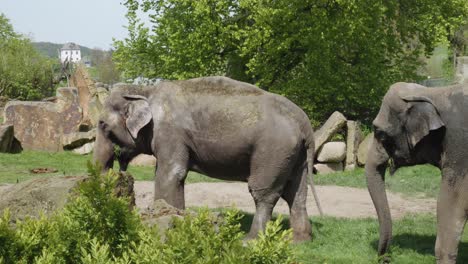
[
  {"x": 169, "y": 183},
  {"x": 451, "y": 218}
]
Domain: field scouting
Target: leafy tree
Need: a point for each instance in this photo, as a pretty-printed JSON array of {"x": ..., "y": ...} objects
[
  {"x": 24, "y": 73},
  {"x": 105, "y": 66},
  {"x": 325, "y": 55}
]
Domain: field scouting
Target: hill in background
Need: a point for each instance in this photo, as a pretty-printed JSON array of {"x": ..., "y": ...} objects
[{"x": 50, "y": 49}]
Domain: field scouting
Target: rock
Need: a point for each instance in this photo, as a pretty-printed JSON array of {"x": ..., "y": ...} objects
[
  {"x": 40, "y": 125},
  {"x": 364, "y": 149},
  {"x": 98, "y": 84},
  {"x": 353, "y": 138},
  {"x": 77, "y": 139},
  {"x": 334, "y": 123},
  {"x": 6, "y": 138},
  {"x": 43, "y": 170},
  {"x": 143, "y": 160},
  {"x": 47, "y": 194},
  {"x": 124, "y": 187},
  {"x": 85, "y": 149},
  {"x": 86, "y": 89},
  {"x": 332, "y": 152},
  {"x": 162, "y": 214},
  {"x": 325, "y": 168}
]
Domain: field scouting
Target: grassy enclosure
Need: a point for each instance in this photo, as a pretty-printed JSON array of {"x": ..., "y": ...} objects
[{"x": 335, "y": 240}]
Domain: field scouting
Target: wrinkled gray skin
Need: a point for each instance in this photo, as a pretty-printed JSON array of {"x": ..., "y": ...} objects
[
  {"x": 219, "y": 127},
  {"x": 418, "y": 125}
]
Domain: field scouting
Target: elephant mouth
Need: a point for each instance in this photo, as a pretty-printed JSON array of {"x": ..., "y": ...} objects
[{"x": 397, "y": 162}]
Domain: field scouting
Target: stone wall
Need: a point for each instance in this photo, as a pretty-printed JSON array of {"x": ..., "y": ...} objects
[{"x": 338, "y": 155}]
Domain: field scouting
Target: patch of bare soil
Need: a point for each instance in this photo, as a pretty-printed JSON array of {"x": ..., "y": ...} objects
[{"x": 335, "y": 200}]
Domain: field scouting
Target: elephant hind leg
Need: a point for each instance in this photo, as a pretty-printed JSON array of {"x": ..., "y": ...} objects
[
  {"x": 265, "y": 200},
  {"x": 271, "y": 168},
  {"x": 295, "y": 194}
]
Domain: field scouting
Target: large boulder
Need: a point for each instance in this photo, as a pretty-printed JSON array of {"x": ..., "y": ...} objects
[
  {"x": 332, "y": 152},
  {"x": 325, "y": 168},
  {"x": 40, "y": 125},
  {"x": 47, "y": 194},
  {"x": 364, "y": 149},
  {"x": 334, "y": 123},
  {"x": 353, "y": 138}
]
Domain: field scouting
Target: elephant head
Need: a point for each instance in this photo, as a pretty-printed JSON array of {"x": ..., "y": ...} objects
[
  {"x": 408, "y": 130},
  {"x": 125, "y": 114}
]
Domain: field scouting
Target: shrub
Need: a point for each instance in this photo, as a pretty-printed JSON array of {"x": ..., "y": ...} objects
[{"x": 98, "y": 227}]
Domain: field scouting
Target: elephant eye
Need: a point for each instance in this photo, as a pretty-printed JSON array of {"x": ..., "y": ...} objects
[{"x": 381, "y": 135}]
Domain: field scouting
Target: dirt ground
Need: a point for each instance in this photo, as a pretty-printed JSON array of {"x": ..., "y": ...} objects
[{"x": 335, "y": 200}]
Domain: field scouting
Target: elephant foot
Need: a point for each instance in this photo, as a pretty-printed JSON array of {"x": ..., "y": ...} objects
[{"x": 300, "y": 237}]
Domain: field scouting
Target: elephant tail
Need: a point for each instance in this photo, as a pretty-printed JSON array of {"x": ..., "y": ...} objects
[{"x": 310, "y": 169}]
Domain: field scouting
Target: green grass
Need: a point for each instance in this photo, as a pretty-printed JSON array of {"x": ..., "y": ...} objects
[
  {"x": 336, "y": 240},
  {"x": 349, "y": 241},
  {"x": 414, "y": 181},
  {"x": 16, "y": 167},
  {"x": 420, "y": 180}
]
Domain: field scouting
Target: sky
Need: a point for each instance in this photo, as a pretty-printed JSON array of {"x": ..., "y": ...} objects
[{"x": 90, "y": 23}]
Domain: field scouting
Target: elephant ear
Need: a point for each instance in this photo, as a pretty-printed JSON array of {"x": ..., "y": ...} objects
[
  {"x": 138, "y": 113},
  {"x": 422, "y": 117}
]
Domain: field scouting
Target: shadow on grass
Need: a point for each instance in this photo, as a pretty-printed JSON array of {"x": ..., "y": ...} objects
[
  {"x": 246, "y": 222},
  {"x": 423, "y": 244}
]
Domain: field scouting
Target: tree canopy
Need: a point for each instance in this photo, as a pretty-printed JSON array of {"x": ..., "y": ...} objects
[
  {"x": 24, "y": 73},
  {"x": 324, "y": 55}
]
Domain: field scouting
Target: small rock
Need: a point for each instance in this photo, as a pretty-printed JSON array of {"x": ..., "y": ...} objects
[
  {"x": 85, "y": 149},
  {"x": 143, "y": 160},
  {"x": 325, "y": 168},
  {"x": 43, "y": 170}
]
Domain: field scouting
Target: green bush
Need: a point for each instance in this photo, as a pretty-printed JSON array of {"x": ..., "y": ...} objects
[{"x": 98, "y": 227}]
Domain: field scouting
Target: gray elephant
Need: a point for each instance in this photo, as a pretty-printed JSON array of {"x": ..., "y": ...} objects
[
  {"x": 219, "y": 127},
  {"x": 418, "y": 125}
]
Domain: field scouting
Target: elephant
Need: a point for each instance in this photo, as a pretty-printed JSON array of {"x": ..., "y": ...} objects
[
  {"x": 219, "y": 127},
  {"x": 420, "y": 125}
]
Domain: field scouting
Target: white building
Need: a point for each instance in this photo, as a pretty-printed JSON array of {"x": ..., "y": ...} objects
[{"x": 71, "y": 51}]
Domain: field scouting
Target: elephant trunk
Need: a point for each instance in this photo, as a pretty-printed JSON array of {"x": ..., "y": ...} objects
[
  {"x": 375, "y": 172},
  {"x": 103, "y": 151}
]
